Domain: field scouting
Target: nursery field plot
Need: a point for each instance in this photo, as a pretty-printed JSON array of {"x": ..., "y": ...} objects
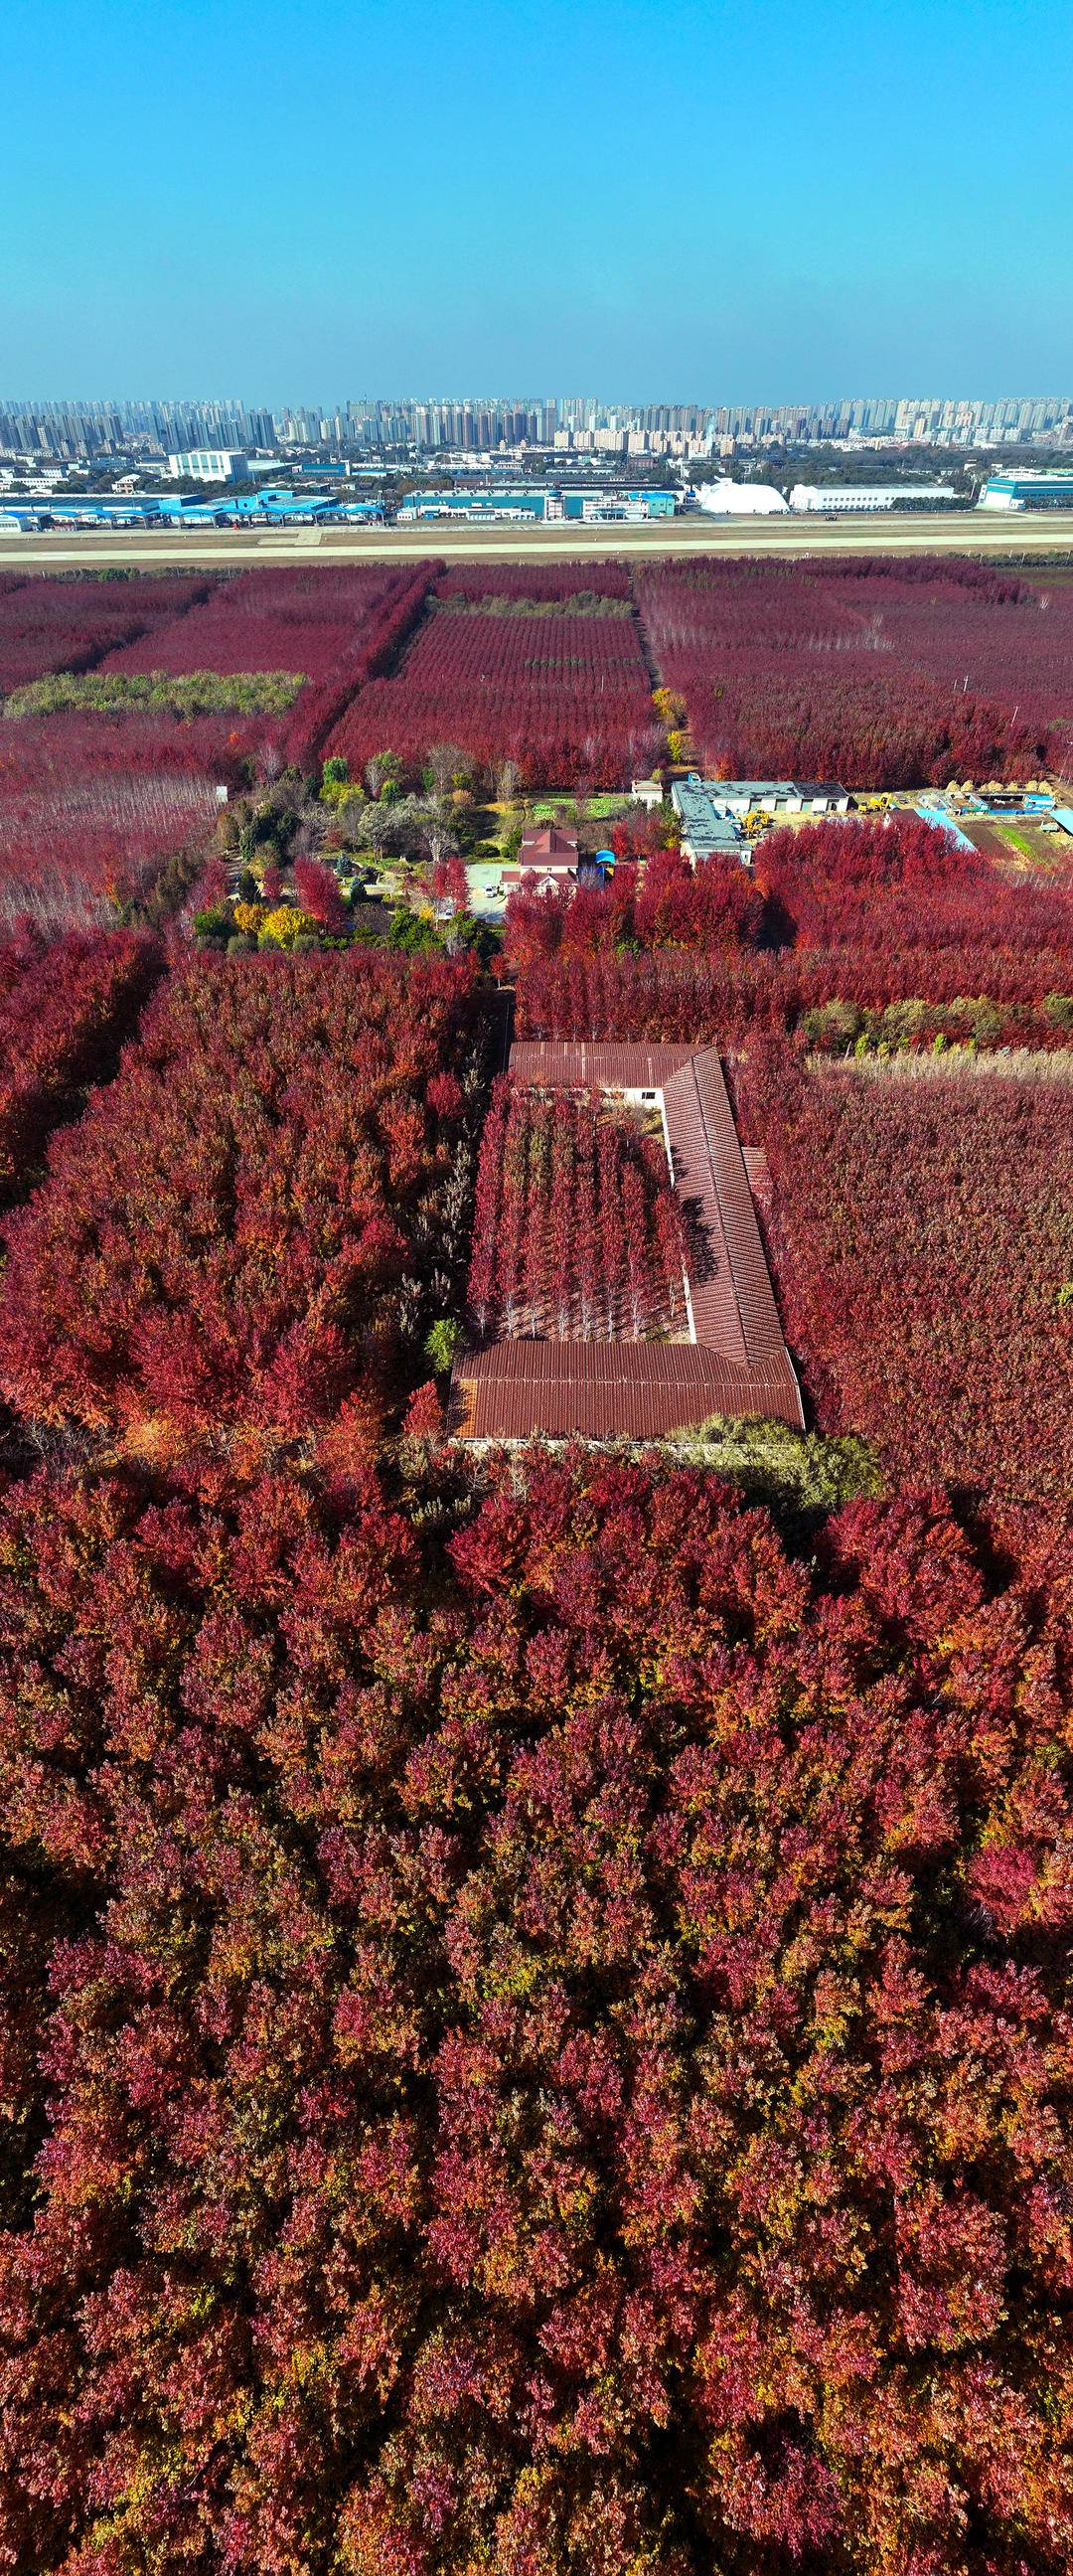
[
  {"x": 96, "y": 794},
  {"x": 155, "y": 676},
  {"x": 77, "y": 839},
  {"x": 297, "y": 620},
  {"x": 879, "y": 673},
  {"x": 998, "y": 640},
  {"x": 1018, "y": 846},
  {"x": 558, "y": 688},
  {"x": 922, "y": 1235},
  {"x": 494, "y": 586},
  {"x": 71, "y": 625},
  {"x": 578, "y": 1234}
]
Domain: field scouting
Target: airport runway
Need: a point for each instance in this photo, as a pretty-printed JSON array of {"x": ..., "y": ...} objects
[{"x": 1020, "y": 536}]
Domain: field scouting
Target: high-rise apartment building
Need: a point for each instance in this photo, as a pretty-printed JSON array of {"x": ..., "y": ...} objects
[{"x": 66, "y": 431}]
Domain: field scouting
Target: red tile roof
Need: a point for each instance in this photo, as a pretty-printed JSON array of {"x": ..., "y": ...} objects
[
  {"x": 597, "y": 1390},
  {"x": 752, "y": 1278},
  {"x": 552, "y": 1065},
  {"x": 545, "y": 841},
  {"x": 738, "y": 1363}
]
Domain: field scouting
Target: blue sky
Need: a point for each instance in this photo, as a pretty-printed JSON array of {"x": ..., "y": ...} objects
[{"x": 764, "y": 202}]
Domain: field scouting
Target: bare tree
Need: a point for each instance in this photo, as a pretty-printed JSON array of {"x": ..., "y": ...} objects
[
  {"x": 355, "y": 822},
  {"x": 445, "y": 760},
  {"x": 380, "y": 771},
  {"x": 437, "y": 829}
]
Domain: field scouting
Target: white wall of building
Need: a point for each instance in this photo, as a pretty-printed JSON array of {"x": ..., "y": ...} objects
[
  {"x": 727, "y": 500},
  {"x": 822, "y": 498},
  {"x": 206, "y": 464}
]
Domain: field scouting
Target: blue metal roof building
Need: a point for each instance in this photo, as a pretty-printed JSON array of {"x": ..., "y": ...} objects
[
  {"x": 109, "y": 509},
  {"x": 774, "y": 796},
  {"x": 598, "y": 502},
  {"x": 1032, "y": 490},
  {"x": 274, "y": 505},
  {"x": 706, "y": 834},
  {"x": 528, "y": 504}
]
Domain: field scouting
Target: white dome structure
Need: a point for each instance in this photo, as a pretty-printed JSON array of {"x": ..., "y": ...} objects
[{"x": 727, "y": 500}]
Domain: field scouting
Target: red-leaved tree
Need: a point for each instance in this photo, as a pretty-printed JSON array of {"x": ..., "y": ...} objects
[{"x": 562, "y": 2064}]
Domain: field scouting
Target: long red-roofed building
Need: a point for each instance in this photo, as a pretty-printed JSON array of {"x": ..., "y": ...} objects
[{"x": 735, "y": 1363}]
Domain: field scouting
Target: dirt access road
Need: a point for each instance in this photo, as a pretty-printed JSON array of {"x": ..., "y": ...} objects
[{"x": 1019, "y": 537}]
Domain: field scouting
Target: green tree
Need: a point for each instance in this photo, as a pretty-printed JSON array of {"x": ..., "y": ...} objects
[{"x": 443, "y": 1343}]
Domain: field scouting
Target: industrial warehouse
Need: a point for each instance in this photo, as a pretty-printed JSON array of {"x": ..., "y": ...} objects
[{"x": 236, "y": 490}]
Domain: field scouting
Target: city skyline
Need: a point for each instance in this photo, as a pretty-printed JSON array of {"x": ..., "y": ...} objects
[{"x": 480, "y": 423}]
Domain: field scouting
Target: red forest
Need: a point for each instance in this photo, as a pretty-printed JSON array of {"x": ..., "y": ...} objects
[
  {"x": 294, "y": 618},
  {"x": 576, "y": 1232},
  {"x": 55, "y": 624},
  {"x": 671, "y": 905},
  {"x": 682, "y": 997},
  {"x": 336, "y": 624},
  {"x": 56, "y": 749},
  {"x": 483, "y": 582},
  {"x": 565, "y": 696},
  {"x": 921, "y": 1226},
  {"x": 900, "y": 882},
  {"x": 388, "y": 619},
  {"x": 868, "y": 913},
  {"x": 534, "y": 1998},
  {"x": 880, "y": 675},
  {"x": 563, "y": 2069},
  {"x": 88, "y": 814},
  {"x": 244, "y": 1225},
  {"x": 63, "y": 1012},
  {"x": 92, "y": 802}
]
